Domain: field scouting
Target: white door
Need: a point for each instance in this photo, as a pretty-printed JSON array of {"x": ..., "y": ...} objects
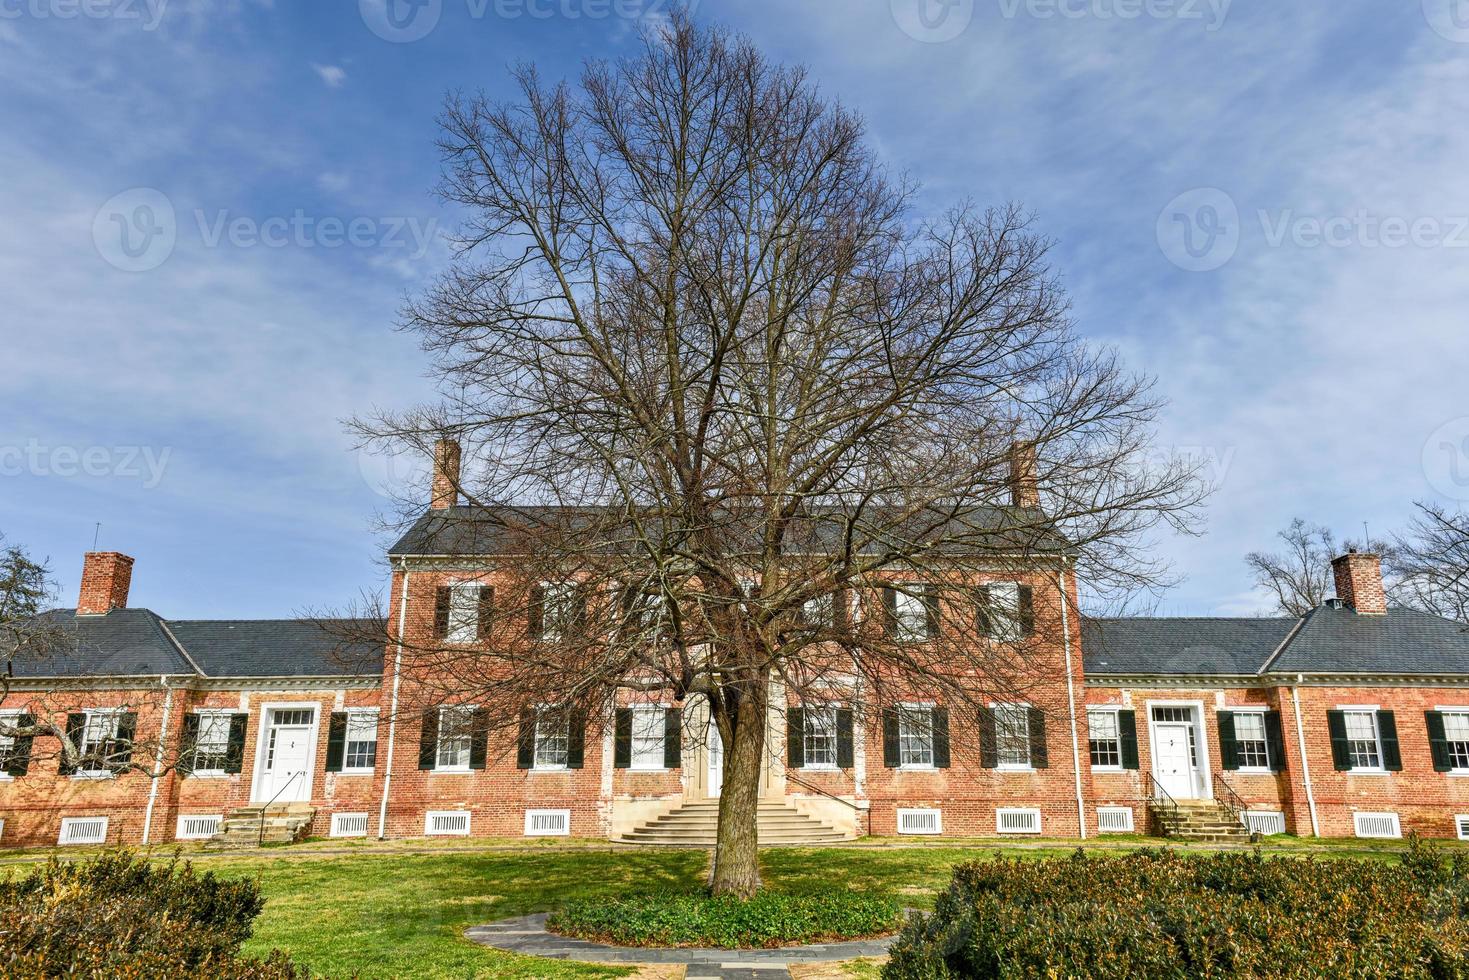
[
  {"x": 286, "y": 776},
  {"x": 716, "y": 761},
  {"x": 1172, "y": 761}
]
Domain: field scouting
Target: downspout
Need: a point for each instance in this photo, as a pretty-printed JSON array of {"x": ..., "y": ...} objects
[
  {"x": 1295, "y": 695},
  {"x": 158, "y": 758},
  {"x": 1071, "y": 703},
  {"x": 382, "y": 815}
]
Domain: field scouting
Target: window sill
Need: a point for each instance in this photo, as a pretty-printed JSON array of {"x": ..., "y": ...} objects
[
  {"x": 633, "y": 769},
  {"x": 1014, "y": 768},
  {"x": 1368, "y": 772},
  {"x": 915, "y": 767},
  {"x": 208, "y": 774},
  {"x": 1255, "y": 771},
  {"x": 821, "y": 768},
  {"x": 447, "y": 771},
  {"x": 542, "y": 769},
  {"x": 93, "y": 775},
  {"x": 1110, "y": 769},
  {"x": 357, "y": 772}
]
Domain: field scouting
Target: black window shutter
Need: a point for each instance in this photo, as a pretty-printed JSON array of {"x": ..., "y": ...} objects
[
  {"x": 984, "y": 618},
  {"x": 929, "y": 594},
  {"x": 525, "y": 746},
  {"x": 1438, "y": 742},
  {"x": 989, "y": 750},
  {"x": 1039, "y": 756},
  {"x": 672, "y": 738},
  {"x": 1027, "y": 610},
  {"x": 1387, "y": 729},
  {"x": 120, "y": 753},
  {"x": 1341, "y": 749},
  {"x": 844, "y": 738},
  {"x": 622, "y": 739},
  {"x": 1228, "y": 744},
  {"x": 890, "y": 737},
  {"x": 234, "y": 754},
  {"x": 76, "y": 724},
  {"x": 479, "y": 736},
  {"x": 188, "y": 741},
  {"x": 17, "y": 761},
  {"x": 795, "y": 738},
  {"x": 1127, "y": 730},
  {"x": 441, "y": 611},
  {"x": 485, "y": 611},
  {"x": 576, "y": 739},
  {"x": 940, "y": 737},
  {"x": 428, "y": 741},
  {"x": 1275, "y": 741},
  {"x": 535, "y": 613},
  {"x": 336, "y": 741},
  {"x": 890, "y": 611}
]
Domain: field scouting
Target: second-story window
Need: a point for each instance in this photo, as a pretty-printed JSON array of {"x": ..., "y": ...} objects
[
  {"x": 912, "y": 611},
  {"x": 464, "y": 612}
]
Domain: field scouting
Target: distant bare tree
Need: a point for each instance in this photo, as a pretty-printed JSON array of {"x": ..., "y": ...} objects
[
  {"x": 1430, "y": 564},
  {"x": 747, "y": 423},
  {"x": 1300, "y": 577}
]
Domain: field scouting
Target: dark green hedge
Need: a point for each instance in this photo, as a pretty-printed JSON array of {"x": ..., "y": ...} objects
[
  {"x": 1157, "y": 914},
  {"x": 768, "y": 919},
  {"x": 120, "y": 916}
]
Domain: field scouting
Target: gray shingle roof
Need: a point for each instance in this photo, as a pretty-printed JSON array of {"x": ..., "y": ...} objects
[
  {"x": 1180, "y": 645},
  {"x": 1405, "y": 641},
  {"x": 136, "y": 643}
]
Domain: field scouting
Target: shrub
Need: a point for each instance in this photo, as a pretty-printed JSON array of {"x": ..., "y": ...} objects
[
  {"x": 120, "y": 916},
  {"x": 1156, "y": 914},
  {"x": 768, "y": 919}
]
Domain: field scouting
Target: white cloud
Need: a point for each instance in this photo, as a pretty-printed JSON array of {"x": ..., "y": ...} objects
[
  {"x": 332, "y": 75},
  {"x": 333, "y": 182}
]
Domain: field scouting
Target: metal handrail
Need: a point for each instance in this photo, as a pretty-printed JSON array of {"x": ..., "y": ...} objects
[
  {"x": 1231, "y": 800},
  {"x": 1162, "y": 799},
  {"x": 260, "y": 841},
  {"x": 830, "y": 796}
]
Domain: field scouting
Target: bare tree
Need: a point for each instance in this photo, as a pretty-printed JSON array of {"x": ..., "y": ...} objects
[
  {"x": 1301, "y": 577},
  {"x": 744, "y": 428},
  {"x": 1430, "y": 564}
]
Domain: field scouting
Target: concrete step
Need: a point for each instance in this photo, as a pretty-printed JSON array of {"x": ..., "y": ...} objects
[
  {"x": 251, "y": 826},
  {"x": 696, "y": 825}
]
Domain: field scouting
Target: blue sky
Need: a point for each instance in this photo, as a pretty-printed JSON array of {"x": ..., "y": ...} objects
[{"x": 1262, "y": 204}]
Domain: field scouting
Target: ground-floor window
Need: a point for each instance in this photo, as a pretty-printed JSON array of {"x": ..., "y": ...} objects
[
  {"x": 915, "y": 736},
  {"x": 1456, "y": 733},
  {"x": 454, "y": 736},
  {"x": 553, "y": 739},
  {"x": 211, "y": 748},
  {"x": 647, "y": 737},
  {"x": 1250, "y": 742},
  {"x": 1105, "y": 739},
  {"x": 1012, "y": 735},
  {"x": 821, "y": 735},
  {"x": 1363, "y": 749},
  {"x": 361, "y": 747}
]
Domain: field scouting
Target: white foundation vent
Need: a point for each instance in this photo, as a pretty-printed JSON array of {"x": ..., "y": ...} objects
[
  {"x": 446, "y": 823},
  {"x": 1377, "y": 825},
  {"x": 349, "y": 825},
  {"x": 195, "y": 827},
  {"x": 920, "y": 822},
  {"x": 1265, "y": 821},
  {"x": 1114, "y": 819},
  {"x": 83, "y": 830},
  {"x": 547, "y": 823}
]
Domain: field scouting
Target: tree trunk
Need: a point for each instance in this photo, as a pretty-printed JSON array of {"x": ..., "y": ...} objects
[{"x": 736, "y": 849}]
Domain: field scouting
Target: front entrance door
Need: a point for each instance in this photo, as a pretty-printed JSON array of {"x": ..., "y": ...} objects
[
  {"x": 285, "y": 775},
  {"x": 716, "y": 761},
  {"x": 1173, "y": 759}
]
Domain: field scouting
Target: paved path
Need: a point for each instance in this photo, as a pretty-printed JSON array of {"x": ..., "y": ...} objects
[{"x": 528, "y": 935}]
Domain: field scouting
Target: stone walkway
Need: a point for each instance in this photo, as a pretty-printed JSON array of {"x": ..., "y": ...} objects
[{"x": 528, "y": 935}]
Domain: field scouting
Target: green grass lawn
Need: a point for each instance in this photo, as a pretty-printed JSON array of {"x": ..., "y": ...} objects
[{"x": 376, "y": 913}]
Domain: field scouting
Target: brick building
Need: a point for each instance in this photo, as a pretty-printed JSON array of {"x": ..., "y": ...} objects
[{"x": 1353, "y": 720}]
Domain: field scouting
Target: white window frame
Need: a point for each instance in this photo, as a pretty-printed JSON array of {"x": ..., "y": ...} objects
[
  {"x": 910, "y": 613},
  {"x": 211, "y": 713},
  {"x": 1370, "y": 710},
  {"x": 1264, "y": 739},
  {"x": 1004, "y": 610},
  {"x": 467, "y": 711},
  {"x": 463, "y": 612},
  {"x": 184, "y": 818},
  {"x": 809, "y": 713},
  {"x": 536, "y": 764},
  {"x": 532, "y": 831},
  {"x": 554, "y": 594},
  {"x": 903, "y": 711},
  {"x": 659, "y": 714},
  {"x": 354, "y": 714},
  {"x": 1104, "y": 709},
  {"x": 1024, "y": 709},
  {"x": 115, "y": 714},
  {"x": 7, "y": 743},
  {"x": 1445, "y": 710}
]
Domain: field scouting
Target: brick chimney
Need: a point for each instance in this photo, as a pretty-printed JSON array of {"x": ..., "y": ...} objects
[
  {"x": 1024, "y": 491},
  {"x": 1359, "y": 583},
  {"x": 106, "y": 576},
  {"x": 446, "y": 475}
]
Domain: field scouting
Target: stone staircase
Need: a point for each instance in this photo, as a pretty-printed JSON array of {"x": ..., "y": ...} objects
[
  {"x": 251, "y": 826},
  {"x": 1199, "y": 820},
  {"x": 693, "y": 825}
]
